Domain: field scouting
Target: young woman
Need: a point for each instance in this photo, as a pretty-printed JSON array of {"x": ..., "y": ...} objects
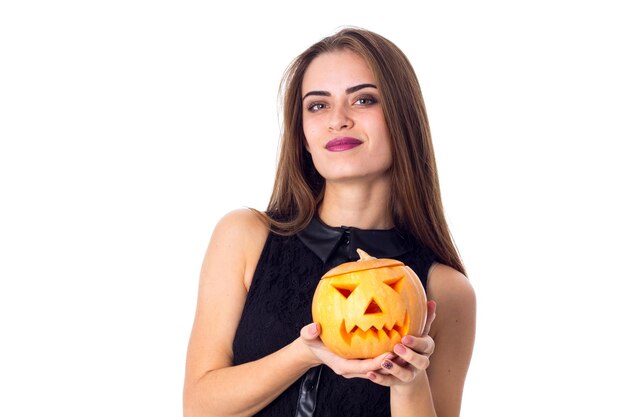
[{"x": 356, "y": 170}]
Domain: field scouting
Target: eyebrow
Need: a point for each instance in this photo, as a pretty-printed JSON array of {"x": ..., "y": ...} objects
[{"x": 349, "y": 90}]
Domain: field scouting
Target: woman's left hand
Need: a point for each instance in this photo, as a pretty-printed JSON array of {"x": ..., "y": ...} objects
[{"x": 409, "y": 358}]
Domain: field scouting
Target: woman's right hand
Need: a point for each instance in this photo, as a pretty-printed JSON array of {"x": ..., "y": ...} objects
[{"x": 348, "y": 368}]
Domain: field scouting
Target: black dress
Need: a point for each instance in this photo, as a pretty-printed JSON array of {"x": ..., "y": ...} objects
[{"x": 279, "y": 305}]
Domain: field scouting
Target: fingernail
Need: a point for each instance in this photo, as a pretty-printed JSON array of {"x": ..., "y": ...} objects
[
  {"x": 407, "y": 340},
  {"x": 371, "y": 376},
  {"x": 387, "y": 364},
  {"x": 399, "y": 349}
]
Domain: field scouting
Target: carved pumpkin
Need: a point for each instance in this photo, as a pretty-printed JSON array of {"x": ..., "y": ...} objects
[{"x": 364, "y": 308}]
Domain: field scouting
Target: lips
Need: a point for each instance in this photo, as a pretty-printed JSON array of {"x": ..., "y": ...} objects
[{"x": 343, "y": 144}]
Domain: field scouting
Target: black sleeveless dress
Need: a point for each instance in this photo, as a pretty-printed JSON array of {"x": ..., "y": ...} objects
[{"x": 279, "y": 305}]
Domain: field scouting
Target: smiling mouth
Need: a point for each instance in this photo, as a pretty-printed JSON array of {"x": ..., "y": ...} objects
[
  {"x": 343, "y": 144},
  {"x": 398, "y": 330}
]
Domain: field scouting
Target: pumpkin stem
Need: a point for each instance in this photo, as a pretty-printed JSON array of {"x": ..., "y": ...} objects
[{"x": 364, "y": 256}]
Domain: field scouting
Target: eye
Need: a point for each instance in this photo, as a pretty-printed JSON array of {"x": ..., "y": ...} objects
[
  {"x": 344, "y": 289},
  {"x": 395, "y": 283},
  {"x": 315, "y": 106},
  {"x": 365, "y": 101}
]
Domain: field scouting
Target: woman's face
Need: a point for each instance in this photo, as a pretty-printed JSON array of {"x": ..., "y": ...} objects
[{"x": 343, "y": 119}]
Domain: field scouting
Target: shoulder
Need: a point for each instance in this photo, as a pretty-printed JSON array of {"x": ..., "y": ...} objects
[
  {"x": 449, "y": 284},
  {"x": 453, "y": 293},
  {"x": 242, "y": 224},
  {"x": 239, "y": 236}
]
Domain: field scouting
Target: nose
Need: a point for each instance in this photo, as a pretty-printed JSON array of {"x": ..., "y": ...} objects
[
  {"x": 373, "y": 308},
  {"x": 339, "y": 118}
]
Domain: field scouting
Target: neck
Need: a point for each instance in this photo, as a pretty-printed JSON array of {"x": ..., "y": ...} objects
[{"x": 365, "y": 206}]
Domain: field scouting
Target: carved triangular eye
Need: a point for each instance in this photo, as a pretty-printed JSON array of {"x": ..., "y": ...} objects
[
  {"x": 344, "y": 289},
  {"x": 395, "y": 283}
]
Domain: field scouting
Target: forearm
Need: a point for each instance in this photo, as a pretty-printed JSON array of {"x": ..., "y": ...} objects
[
  {"x": 245, "y": 389},
  {"x": 413, "y": 400}
]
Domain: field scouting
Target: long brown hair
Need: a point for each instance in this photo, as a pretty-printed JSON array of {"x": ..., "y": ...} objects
[{"x": 415, "y": 196}]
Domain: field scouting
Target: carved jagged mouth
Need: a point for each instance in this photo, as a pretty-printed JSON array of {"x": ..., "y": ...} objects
[{"x": 399, "y": 329}]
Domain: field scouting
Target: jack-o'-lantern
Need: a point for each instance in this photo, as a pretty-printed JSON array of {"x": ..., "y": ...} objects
[{"x": 365, "y": 307}]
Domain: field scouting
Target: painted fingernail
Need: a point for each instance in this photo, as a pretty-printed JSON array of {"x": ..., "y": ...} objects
[
  {"x": 387, "y": 364},
  {"x": 399, "y": 349}
]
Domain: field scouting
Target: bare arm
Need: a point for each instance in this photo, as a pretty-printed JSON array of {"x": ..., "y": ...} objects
[
  {"x": 427, "y": 374},
  {"x": 212, "y": 385},
  {"x": 453, "y": 332}
]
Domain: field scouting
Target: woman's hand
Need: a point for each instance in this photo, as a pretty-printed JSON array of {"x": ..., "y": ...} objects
[
  {"x": 348, "y": 368},
  {"x": 409, "y": 358}
]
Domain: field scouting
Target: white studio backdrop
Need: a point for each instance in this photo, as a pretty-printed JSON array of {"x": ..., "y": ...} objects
[{"x": 128, "y": 128}]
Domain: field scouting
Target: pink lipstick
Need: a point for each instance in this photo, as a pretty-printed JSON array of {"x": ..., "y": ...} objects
[{"x": 343, "y": 144}]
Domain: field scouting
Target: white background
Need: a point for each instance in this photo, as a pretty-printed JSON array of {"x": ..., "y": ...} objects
[{"x": 128, "y": 128}]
